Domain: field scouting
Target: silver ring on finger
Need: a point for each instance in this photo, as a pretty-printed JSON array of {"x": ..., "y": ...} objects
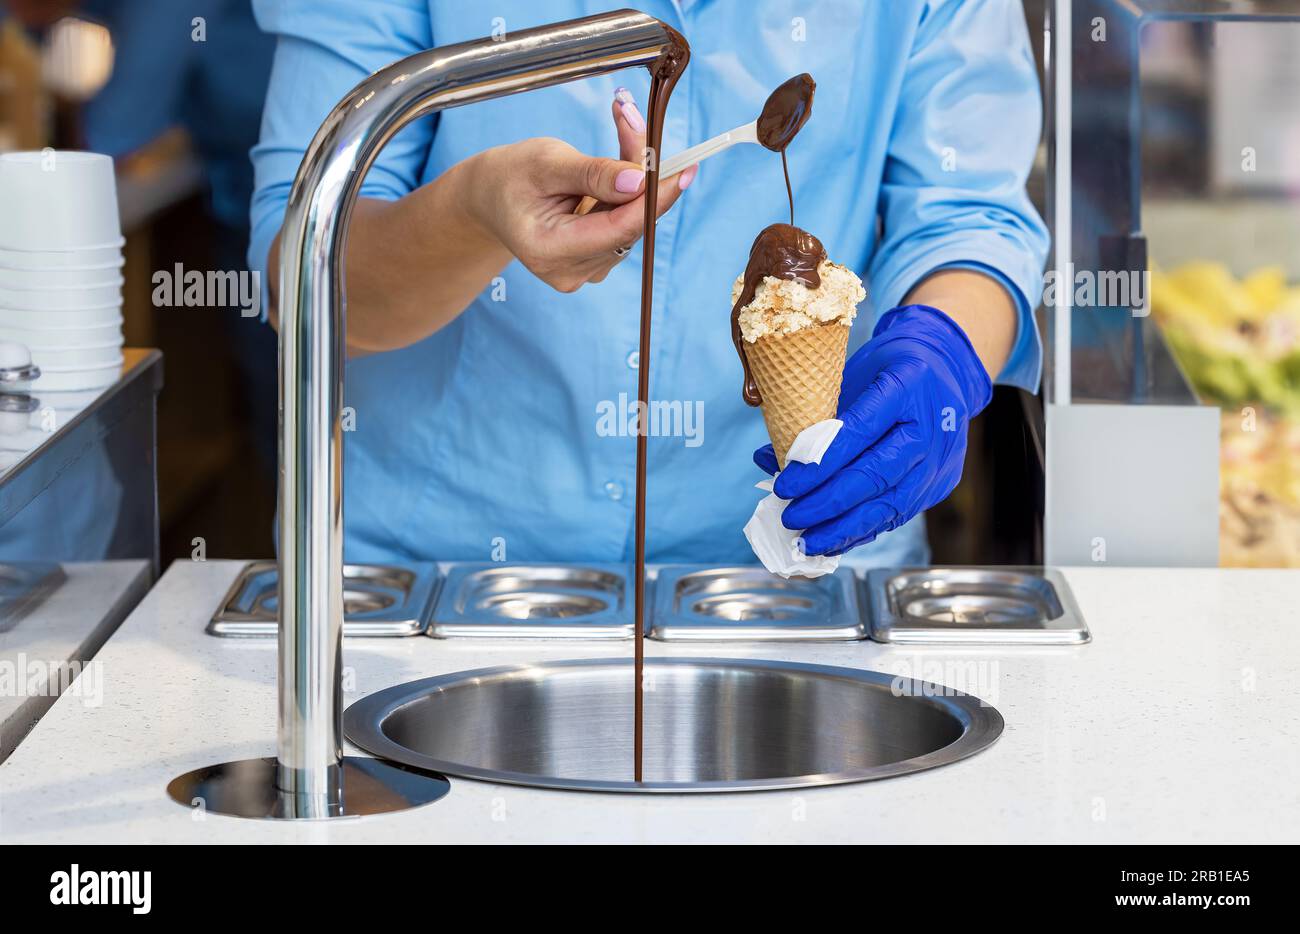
[{"x": 621, "y": 251}]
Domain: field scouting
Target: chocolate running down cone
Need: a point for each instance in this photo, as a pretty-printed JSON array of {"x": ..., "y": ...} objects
[{"x": 791, "y": 313}]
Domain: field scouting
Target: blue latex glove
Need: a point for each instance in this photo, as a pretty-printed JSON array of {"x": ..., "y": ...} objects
[{"x": 908, "y": 396}]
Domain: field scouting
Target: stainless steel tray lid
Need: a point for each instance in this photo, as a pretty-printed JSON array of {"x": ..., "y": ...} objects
[
  {"x": 990, "y": 605},
  {"x": 378, "y": 600},
  {"x": 746, "y": 603},
  {"x": 531, "y": 601}
]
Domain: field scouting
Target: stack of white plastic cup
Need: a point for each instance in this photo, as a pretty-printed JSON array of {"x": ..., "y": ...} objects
[{"x": 61, "y": 266}]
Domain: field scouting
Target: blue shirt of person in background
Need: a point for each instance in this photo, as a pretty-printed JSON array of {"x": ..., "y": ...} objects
[{"x": 203, "y": 65}]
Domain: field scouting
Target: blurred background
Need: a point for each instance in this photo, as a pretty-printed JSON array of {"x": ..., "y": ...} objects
[
  {"x": 1219, "y": 103},
  {"x": 1223, "y": 242},
  {"x": 179, "y": 118}
]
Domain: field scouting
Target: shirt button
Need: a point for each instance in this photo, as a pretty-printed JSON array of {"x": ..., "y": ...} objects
[
  {"x": 634, "y": 360},
  {"x": 614, "y": 490}
]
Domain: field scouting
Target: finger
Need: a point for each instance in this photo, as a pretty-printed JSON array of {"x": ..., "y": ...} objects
[
  {"x": 860, "y": 525},
  {"x": 600, "y": 232},
  {"x": 858, "y": 374},
  {"x": 686, "y": 176},
  {"x": 569, "y": 172},
  {"x": 765, "y": 457},
  {"x": 865, "y": 420},
  {"x": 595, "y": 268},
  {"x": 630, "y": 126},
  {"x": 670, "y": 190},
  {"x": 631, "y": 138},
  {"x": 881, "y": 467},
  {"x": 602, "y": 269}
]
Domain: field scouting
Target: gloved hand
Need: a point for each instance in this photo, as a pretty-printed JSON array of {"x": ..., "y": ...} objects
[{"x": 908, "y": 396}]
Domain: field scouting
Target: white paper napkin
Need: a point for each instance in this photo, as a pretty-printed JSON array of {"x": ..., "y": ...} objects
[{"x": 776, "y": 546}]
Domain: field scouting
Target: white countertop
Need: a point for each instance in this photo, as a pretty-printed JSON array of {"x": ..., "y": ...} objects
[
  {"x": 1180, "y": 722},
  {"x": 60, "y": 630}
]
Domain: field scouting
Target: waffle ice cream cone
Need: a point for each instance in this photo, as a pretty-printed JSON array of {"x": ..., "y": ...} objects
[
  {"x": 795, "y": 339},
  {"x": 799, "y": 376}
]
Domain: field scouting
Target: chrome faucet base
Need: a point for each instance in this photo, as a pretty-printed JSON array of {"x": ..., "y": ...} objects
[{"x": 247, "y": 788}]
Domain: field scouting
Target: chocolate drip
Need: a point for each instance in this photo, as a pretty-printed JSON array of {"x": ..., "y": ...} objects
[
  {"x": 786, "y": 111},
  {"x": 784, "y": 252},
  {"x": 789, "y": 192},
  {"x": 663, "y": 77}
]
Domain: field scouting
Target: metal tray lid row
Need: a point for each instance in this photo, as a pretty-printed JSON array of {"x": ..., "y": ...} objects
[
  {"x": 686, "y": 602},
  {"x": 700, "y": 603}
]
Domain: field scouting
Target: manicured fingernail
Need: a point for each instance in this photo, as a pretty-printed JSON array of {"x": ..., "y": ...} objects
[
  {"x": 688, "y": 175},
  {"x": 628, "y": 181},
  {"x": 627, "y": 107}
]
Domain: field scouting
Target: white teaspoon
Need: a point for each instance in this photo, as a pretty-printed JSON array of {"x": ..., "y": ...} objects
[{"x": 786, "y": 111}]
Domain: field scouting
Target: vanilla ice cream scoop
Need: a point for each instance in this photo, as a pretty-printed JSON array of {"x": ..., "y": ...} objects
[{"x": 783, "y": 306}]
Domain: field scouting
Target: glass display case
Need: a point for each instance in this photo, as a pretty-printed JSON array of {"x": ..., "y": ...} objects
[{"x": 1173, "y": 298}]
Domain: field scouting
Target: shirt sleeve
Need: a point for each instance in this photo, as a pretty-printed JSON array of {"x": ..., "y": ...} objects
[
  {"x": 953, "y": 193},
  {"x": 323, "y": 49}
]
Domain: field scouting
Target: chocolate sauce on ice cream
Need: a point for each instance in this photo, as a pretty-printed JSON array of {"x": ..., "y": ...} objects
[{"x": 782, "y": 251}]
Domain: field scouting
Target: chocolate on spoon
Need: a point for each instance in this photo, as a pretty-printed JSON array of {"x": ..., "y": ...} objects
[{"x": 786, "y": 111}]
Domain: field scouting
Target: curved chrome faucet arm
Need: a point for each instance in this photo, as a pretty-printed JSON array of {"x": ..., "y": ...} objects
[{"x": 312, "y": 338}]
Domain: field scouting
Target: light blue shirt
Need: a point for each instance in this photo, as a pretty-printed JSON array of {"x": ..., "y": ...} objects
[{"x": 495, "y": 435}]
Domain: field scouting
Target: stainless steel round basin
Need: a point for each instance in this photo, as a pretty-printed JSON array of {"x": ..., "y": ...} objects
[{"x": 711, "y": 725}]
